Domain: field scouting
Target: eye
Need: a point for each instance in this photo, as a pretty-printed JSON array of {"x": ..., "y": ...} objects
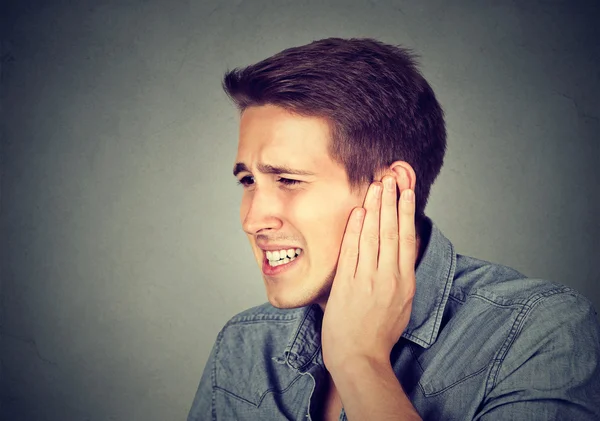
[
  {"x": 288, "y": 181},
  {"x": 246, "y": 181}
]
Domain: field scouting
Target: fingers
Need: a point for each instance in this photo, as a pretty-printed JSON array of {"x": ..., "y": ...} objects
[
  {"x": 388, "y": 250},
  {"x": 350, "y": 243},
  {"x": 369, "y": 237},
  {"x": 382, "y": 235},
  {"x": 408, "y": 237}
]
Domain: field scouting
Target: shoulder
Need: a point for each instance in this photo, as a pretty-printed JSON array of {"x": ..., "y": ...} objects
[
  {"x": 517, "y": 328},
  {"x": 552, "y": 345},
  {"x": 520, "y": 311},
  {"x": 501, "y": 285}
]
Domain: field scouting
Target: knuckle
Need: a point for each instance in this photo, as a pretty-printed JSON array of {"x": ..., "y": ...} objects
[
  {"x": 350, "y": 254},
  {"x": 409, "y": 239},
  {"x": 372, "y": 238},
  {"x": 394, "y": 285},
  {"x": 390, "y": 235}
]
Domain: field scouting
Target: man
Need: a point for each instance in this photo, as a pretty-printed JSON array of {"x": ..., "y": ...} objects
[{"x": 372, "y": 315}]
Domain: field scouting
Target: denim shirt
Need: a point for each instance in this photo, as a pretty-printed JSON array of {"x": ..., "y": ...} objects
[{"x": 483, "y": 343}]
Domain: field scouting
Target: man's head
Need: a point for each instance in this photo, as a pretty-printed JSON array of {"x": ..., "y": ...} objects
[{"x": 341, "y": 113}]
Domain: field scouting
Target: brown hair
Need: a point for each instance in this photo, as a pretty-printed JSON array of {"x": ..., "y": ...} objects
[{"x": 379, "y": 106}]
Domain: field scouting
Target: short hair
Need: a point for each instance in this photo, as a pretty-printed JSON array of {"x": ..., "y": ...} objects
[{"x": 379, "y": 107}]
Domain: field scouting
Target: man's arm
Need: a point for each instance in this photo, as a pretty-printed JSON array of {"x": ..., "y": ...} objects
[{"x": 370, "y": 391}]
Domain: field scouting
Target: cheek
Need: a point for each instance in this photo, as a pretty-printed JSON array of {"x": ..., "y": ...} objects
[
  {"x": 338, "y": 229},
  {"x": 321, "y": 221}
]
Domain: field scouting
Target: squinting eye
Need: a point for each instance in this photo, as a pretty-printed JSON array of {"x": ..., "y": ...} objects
[
  {"x": 246, "y": 181},
  {"x": 288, "y": 181}
]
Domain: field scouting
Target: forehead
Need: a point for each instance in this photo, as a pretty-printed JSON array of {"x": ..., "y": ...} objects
[{"x": 272, "y": 135}]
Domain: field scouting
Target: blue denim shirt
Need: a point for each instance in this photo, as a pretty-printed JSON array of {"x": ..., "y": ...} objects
[{"x": 483, "y": 343}]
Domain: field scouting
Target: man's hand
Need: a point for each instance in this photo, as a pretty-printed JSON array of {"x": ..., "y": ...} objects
[{"x": 371, "y": 297}]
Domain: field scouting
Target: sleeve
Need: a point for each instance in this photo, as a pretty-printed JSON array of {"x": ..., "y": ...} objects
[
  {"x": 551, "y": 370},
  {"x": 203, "y": 406}
]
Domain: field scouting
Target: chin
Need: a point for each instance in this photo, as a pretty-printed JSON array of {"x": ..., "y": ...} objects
[
  {"x": 286, "y": 305},
  {"x": 286, "y": 298}
]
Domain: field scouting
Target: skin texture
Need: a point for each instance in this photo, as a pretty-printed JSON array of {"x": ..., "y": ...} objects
[
  {"x": 358, "y": 258},
  {"x": 311, "y": 215}
]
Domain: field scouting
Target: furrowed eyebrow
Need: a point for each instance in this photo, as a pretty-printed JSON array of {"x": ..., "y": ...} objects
[
  {"x": 270, "y": 169},
  {"x": 238, "y": 168}
]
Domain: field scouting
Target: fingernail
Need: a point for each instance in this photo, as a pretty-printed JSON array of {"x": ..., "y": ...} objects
[{"x": 408, "y": 196}]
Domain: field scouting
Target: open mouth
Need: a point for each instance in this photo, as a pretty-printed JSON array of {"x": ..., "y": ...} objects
[{"x": 281, "y": 257}]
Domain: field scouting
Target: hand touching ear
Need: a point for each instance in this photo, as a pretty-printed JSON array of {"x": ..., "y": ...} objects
[{"x": 371, "y": 297}]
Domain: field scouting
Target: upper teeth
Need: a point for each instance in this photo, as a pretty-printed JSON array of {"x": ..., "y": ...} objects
[{"x": 282, "y": 254}]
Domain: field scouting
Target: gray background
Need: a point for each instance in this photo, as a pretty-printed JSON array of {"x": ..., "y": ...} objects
[{"x": 122, "y": 251}]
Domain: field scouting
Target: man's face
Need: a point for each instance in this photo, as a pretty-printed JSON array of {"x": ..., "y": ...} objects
[{"x": 309, "y": 213}]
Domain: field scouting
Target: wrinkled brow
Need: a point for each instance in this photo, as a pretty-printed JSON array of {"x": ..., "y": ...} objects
[{"x": 270, "y": 169}]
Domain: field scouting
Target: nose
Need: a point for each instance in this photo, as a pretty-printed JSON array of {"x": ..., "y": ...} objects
[{"x": 260, "y": 211}]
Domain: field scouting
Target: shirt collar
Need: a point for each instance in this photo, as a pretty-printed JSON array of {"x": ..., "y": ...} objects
[
  {"x": 305, "y": 343},
  {"x": 434, "y": 276}
]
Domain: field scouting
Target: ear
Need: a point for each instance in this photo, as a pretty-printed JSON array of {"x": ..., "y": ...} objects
[{"x": 404, "y": 174}]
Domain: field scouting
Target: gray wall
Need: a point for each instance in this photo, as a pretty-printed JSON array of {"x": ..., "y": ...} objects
[{"x": 122, "y": 253}]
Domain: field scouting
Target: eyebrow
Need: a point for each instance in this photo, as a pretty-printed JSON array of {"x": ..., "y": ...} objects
[{"x": 269, "y": 169}]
